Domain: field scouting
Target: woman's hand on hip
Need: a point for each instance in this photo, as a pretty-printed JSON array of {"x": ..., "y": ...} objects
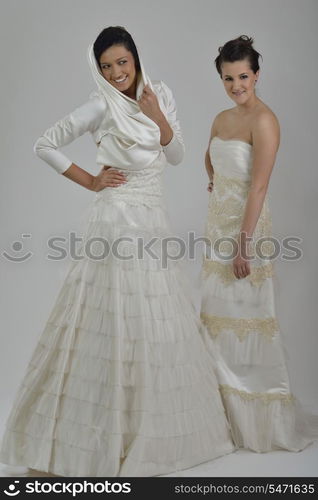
[{"x": 108, "y": 177}]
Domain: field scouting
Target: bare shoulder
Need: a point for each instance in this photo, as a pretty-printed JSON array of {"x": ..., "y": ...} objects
[
  {"x": 265, "y": 126},
  {"x": 219, "y": 120},
  {"x": 223, "y": 115},
  {"x": 265, "y": 118}
]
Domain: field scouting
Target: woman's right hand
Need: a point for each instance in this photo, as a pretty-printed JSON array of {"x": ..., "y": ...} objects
[
  {"x": 210, "y": 187},
  {"x": 107, "y": 177}
]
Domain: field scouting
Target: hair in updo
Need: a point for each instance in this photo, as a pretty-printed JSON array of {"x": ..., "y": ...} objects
[
  {"x": 236, "y": 50},
  {"x": 115, "y": 35}
]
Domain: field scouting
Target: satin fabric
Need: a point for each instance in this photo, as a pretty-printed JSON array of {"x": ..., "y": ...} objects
[
  {"x": 94, "y": 116},
  {"x": 130, "y": 137}
]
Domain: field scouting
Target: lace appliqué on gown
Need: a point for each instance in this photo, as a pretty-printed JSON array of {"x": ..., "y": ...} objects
[
  {"x": 265, "y": 397},
  {"x": 241, "y": 327},
  {"x": 227, "y": 276}
]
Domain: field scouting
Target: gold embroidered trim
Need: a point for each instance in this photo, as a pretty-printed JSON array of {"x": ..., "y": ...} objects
[
  {"x": 241, "y": 327},
  {"x": 222, "y": 184},
  {"x": 226, "y": 209},
  {"x": 225, "y": 271},
  {"x": 250, "y": 396},
  {"x": 224, "y": 215}
]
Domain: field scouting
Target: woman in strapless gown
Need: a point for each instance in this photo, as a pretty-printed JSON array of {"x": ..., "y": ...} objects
[
  {"x": 120, "y": 382},
  {"x": 237, "y": 296}
]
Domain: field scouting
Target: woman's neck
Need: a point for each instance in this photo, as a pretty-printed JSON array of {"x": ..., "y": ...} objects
[
  {"x": 249, "y": 106},
  {"x": 131, "y": 92}
]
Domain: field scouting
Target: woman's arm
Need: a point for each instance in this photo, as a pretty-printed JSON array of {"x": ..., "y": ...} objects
[
  {"x": 80, "y": 176},
  {"x": 107, "y": 177},
  {"x": 265, "y": 136},
  {"x": 166, "y": 132},
  {"x": 208, "y": 166},
  {"x": 170, "y": 131},
  {"x": 83, "y": 119},
  {"x": 174, "y": 148},
  {"x": 207, "y": 158}
]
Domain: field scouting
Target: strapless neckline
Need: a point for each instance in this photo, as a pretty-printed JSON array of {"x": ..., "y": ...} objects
[{"x": 232, "y": 140}]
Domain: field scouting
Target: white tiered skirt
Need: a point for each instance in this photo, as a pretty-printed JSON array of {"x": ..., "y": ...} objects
[{"x": 120, "y": 382}]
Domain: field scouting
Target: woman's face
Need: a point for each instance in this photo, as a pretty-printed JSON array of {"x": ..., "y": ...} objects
[
  {"x": 118, "y": 67},
  {"x": 239, "y": 80}
]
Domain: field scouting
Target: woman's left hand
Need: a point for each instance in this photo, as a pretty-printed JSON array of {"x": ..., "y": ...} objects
[
  {"x": 241, "y": 267},
  {"x": 241, "y": 264},
  {"x": 149, "y": 104}
]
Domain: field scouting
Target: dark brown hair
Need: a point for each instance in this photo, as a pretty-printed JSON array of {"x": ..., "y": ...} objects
[
  {"x": 115, "y": 35},
  {"x": 236, "y": 50}
]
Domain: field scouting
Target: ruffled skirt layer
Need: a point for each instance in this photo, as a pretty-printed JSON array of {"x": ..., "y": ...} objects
[{"x": 120, "y": 382}]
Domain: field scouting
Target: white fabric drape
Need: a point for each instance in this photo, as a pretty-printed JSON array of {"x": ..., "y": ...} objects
[{"x": 132, "y": 137}]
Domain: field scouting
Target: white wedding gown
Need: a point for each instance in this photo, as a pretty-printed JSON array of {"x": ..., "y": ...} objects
[
  {"x": 120, "y": 382},
  {"x": 240, "y": 315}
]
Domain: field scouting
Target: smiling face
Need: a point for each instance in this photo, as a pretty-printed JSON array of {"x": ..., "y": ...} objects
[
  {"x": 118, "y": 68},
  {"x": 239, "y": 80}
]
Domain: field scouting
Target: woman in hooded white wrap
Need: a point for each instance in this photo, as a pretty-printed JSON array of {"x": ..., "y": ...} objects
[{"x": 120, "y": 383}]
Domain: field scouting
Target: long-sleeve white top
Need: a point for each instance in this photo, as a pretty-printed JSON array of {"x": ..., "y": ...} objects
[{"x": 93, "y": 116}]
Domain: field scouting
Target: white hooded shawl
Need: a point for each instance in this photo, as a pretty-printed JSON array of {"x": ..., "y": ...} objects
[{"x": 130, "y": 139}]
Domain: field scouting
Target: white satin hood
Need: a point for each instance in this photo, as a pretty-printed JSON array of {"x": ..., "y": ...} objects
[{"x": 130, "y": 138}]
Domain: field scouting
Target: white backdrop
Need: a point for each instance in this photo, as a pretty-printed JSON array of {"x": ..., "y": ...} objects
[{"x": 45, "y": 75}]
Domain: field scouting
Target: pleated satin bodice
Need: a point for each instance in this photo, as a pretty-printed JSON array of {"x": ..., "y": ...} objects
[{"x": 231, "y": 158}]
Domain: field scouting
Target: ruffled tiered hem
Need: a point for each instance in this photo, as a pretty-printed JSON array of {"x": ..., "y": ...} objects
[
  {"x": 81, "y": 450},
  {"x": 120, "y": 382}
]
